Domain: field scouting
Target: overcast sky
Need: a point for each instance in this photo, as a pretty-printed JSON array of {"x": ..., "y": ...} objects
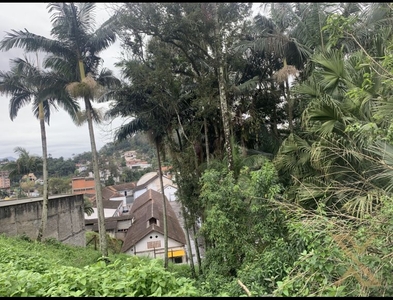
[{"x": 64, "y": 138}]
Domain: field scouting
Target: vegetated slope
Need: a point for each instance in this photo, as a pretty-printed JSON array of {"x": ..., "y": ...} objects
[{"x": 29, "y": 268}]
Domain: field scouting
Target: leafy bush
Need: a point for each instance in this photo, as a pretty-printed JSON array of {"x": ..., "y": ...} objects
[
  {"x": 33, "y": 274},
  {"x": 30, "y": 268},
  {"x": 342, "y": 257}
]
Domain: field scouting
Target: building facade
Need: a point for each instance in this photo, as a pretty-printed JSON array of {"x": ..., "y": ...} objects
[
  {"x": 83, "y": 185},
  {"x": 5, "y": 182}
]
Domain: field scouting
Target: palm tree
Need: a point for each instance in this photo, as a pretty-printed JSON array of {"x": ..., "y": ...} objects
[
  {"x": 24, "y": 164},
  {"x": 87, "y": 206},
  {"x": 332, "y": 161},
  {"x": 74, "y": 49},
  {"x": 275, "y": 38},
  {"x": 147, "y": 118},
  {"x": 25, "y": 83}
]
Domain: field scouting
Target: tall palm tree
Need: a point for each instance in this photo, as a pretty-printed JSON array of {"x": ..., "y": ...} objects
[
  {"x": 147, "y": 118},
  {"x": 26, "y": 83},
  {"x": 276, "y": 39},
  {"x": 73, "y": 51}
]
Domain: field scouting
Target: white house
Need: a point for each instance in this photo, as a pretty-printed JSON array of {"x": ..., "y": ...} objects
[
  {"x": 112, "y": 208},
  {"x": 117, "y": 200},
  {"x": 146, "y": 234},
  {"x": 151, "y": 180},
  {"x": 170, "y": 192}
]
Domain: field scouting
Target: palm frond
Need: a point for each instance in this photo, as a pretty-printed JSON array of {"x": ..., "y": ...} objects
[
  {"x": 294, "y": 155},
  {"x": 31, "y": 42},
  {"x": 86, "y": 15},
  {"x": 134, "y": 126},
  {"x": 383, "y": 170},
  {"x": 104, "y": 36},
  {"x": 333, "y": 69},
  {"x": 362, "y": 205}
]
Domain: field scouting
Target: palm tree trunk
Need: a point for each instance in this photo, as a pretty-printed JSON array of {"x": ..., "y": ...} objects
[
  {"x": 97, "y": 181},
  {"x": 96, "y": 170},
  {"x": 192, "y": 266},
  {"x": 222, "y": 89},
  {"x": 44, "y": 216},
  {"x": 289, "y": 100},
  {"x": 274, "y": 124},
  {"x": 206, "y": 142},
  {"x": 290, "y": 107},
  {"x": 198, "y": 254},
  {"x": 163, "y": 208}
]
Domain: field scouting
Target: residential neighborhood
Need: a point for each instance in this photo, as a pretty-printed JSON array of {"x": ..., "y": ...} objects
[
  {"x": 134, "y": 214},
  {"x": 133, "y": 210}
]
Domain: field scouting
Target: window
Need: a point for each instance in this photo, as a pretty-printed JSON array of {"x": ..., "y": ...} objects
[
  {"x": 154, "y": 244},
  {"x": 152, "y": 221},
  {"x": 178, "y": 260}
]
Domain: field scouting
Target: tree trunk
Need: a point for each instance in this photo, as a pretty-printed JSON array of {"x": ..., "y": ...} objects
[
  {"x": 96, "y": 171},
  {"x": 289, "y": 100},
  {"x": 274, "y": 125},
  {"x": 97, "y": 181},
  {"x": 185, "y": 217},
  {"x": 198, "y": 255},
  {"x": 206, "y": 142},
  {"x": 163, "y": 208},
  {"x": 44, "y": 216},
  {"x": 222, "y": 88},
  {"x": 290, "y": 107}
]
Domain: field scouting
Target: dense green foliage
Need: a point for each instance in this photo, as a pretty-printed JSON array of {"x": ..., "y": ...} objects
[
  {"x": 60, "y": 167},
  {"x": 53, "y": 269},
  {"x": 276, "y": 248}
]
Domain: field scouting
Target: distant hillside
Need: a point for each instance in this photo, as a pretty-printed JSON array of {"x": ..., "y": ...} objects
[
  {"x": 138, "y": 142},
  {"x": 9, "y": 158}
]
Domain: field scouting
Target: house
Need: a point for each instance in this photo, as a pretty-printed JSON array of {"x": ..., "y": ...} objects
[
  {"x": 5, "y": 182},
  {"x": 146, "y": 234},
  {"x": 116, "y": 227},
  {"x": 133, "y": 162},
  {"x": 125, "y": 189},
  {"x": 83, "y": 185},
  {"x": 29, "y": 177},
  {"x": 151, "y": 180},
  {"x": 137, "y": 164},
  {"x": 113, "y": 206},
  {"x": 170, "y": 192},
  {"x": 124, "y": 192},
  {"x": 117, "y": 200},
  {"x": 81, "y": 167},
  {"x": 166, "y": 170},
  {"x": 130, "y": 154}
]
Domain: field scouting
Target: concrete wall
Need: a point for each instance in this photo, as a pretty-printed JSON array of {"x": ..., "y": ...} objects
[{"x": 66, "y": 222}]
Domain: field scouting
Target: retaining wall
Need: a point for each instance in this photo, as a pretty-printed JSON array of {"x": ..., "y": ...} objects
[{"x": 66, "y": 221}]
